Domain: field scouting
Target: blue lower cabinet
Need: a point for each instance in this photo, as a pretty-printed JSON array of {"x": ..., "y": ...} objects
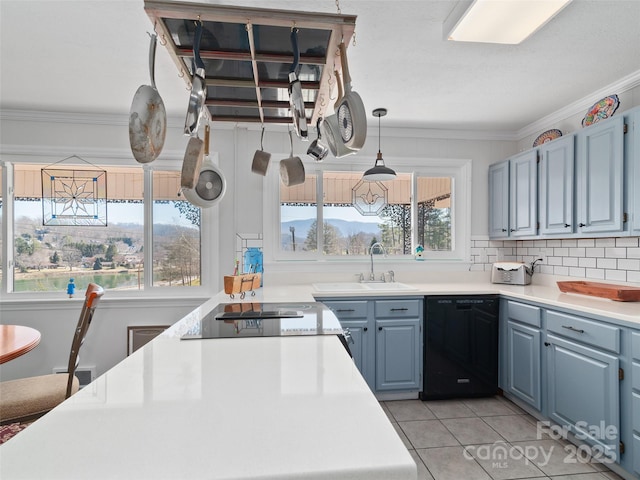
[
  {"x": 362, "y": 348},
  {"x": 584, "y": 393},
  {"x": 523, "y": 363},
  {"x": 387, "y": 340},
  {"x": 398, "y": 354}
]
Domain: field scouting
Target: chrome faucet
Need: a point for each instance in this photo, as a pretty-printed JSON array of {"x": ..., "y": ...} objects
[{"x": 372, "y": 276}]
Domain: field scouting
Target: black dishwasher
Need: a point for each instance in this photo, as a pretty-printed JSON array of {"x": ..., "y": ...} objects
[{"x": 460, "y": 346}]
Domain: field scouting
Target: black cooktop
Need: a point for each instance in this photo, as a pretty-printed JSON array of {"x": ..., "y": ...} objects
[{"x": 240, "y": 320}]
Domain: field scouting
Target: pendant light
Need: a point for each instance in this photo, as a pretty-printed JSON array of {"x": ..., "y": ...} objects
[{"x": 379, "y": 172}]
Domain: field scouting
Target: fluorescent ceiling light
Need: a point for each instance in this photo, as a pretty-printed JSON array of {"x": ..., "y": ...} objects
[{"x": 501, "y": 21}]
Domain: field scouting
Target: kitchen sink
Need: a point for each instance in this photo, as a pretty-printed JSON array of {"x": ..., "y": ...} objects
[
  {"x": 389, "y": 286},
  {"x": 339, "y": 287},
  {"x": 364, "y": 286}
]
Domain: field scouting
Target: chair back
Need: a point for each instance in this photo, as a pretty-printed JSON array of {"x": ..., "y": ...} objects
[{"x": 92, "y": 298}]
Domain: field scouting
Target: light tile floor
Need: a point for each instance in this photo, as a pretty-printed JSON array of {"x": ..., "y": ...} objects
[{"x": 484, "y": 439}]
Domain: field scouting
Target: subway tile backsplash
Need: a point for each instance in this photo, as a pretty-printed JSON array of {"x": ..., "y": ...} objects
[{"x": 616, "y": 259}]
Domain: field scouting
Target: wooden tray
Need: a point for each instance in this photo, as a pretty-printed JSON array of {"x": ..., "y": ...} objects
[
  {"x": 241, "y": 283},
  {"x": 619, "y": 293}
]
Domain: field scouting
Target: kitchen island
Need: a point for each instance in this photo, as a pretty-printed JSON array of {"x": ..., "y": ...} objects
[{"x": 252, "y": 408}]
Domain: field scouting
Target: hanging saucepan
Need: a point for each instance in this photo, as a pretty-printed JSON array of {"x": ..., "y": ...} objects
[
  {"x": 260, "y": 159},
  {"x": 198, "y": 87},
  {"x": 147, "y": 117},
  {"x": 317, "y": 150},
  {"x": 296, "y": 100},
  {"x": 210, "y": 185},
  {"x": 352, "y": 117},
  {"x": 331, "y": 130},
  {"x": 291, "y": 169},
  {"x": 196, "y": 149}
]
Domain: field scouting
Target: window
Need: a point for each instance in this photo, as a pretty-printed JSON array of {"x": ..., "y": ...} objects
[
  {"x": 119, "y": 256},
  {"x": 423, "y": 206}
]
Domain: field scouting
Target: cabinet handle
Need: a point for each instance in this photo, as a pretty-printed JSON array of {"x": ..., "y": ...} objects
[
  {"x": 512, "y": 230},
  {"x": 504, "y": 229},
  {"x": 546, "y": 344},
  {"x": 345, "y": 310},
  {"x": 566, "y": 225},
  {"x": 582, "y": 224},
  {"x": 380, "y": 328},
  {"x": 573, "y": 329},
  {"x": 365, "y": 329},
  {"x": 399, "y": 309}
]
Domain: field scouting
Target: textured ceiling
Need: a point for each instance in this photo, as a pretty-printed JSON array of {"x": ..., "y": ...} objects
[{"x": 91, "y": 56}]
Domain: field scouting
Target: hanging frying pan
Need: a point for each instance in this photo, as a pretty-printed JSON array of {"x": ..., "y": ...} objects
[
  {"x": 210, "y": 187},
  {"x": 147, "y": 117},
  {"x": 208, "y": 41},
  {"x": 296, "y": 101},
  {"x": 198, "y": 87},
  {"x": 196, "y": 149},
  {"x": 352, "y": 118},
  {"x": 331, "y": 131}
]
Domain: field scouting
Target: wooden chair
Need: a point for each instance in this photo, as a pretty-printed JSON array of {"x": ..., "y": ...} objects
[{"x": 27, "y": 399}]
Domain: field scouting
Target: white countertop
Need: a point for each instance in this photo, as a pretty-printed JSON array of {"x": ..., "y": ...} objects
[{"x": 251, "y": 408}]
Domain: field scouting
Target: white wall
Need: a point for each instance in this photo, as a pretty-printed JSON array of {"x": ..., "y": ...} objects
[{"x": 106, "y": 342}]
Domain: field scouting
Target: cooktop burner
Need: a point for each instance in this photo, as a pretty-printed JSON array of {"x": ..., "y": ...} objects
[{"x": 238, "y": 320}]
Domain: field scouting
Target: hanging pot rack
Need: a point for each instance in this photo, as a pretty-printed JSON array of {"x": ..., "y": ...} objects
[{"x": 248, "y": 55}]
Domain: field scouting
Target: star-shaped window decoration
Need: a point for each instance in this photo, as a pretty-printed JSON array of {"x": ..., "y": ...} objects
[
  {"x": 74, "y": 197},
  {"x": 369, "y": 198}
]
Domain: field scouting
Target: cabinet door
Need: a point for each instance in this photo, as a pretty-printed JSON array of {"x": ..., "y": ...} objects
[
  {"x": 583, "y": 390},
  {"x": 599, "y": 174},
  {"x": 523, "y": 191},
  {"x": 398, "y": 354},
  {"x": 523, "y": 363},
  {"x": 361, "y": 348},
  {"x": 499, "y": 200},
  {"x": 556, "y": 186},
  {"x": 632, "y": 152}
]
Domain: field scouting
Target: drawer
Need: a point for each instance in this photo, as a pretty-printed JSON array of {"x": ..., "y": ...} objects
[
  {"x": 348, "y": 309},
  {"x": 635, "y": 345},
  {"x": 600, "y": 335},
  {"x": 524, "y": 313},
  {"x": 398, "y": 308}
]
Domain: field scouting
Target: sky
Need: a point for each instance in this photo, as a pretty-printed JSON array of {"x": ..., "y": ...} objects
[
  {"x": 116, "y": 213},
  {"x": 343, "y": 213}
]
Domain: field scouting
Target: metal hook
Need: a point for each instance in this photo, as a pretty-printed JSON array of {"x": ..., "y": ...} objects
[
  {"x": 290, "y": 141},
  {"x": 181, "y": 74},
  {"x": 163, "y": 40}
]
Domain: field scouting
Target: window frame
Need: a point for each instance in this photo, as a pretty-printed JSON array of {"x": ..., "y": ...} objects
[
  {"x": 207, "y": 219},
  {"x": 459, "y": 170}
]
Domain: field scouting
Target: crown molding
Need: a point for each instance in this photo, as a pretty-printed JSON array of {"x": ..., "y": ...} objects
[{"x": 580, "y": 106}]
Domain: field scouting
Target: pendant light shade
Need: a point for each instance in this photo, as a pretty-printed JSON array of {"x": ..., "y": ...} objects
[{"x": 380, "y": 171}]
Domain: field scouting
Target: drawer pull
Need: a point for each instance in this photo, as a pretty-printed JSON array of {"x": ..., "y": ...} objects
[
  {"x": 573, "y": 329},
  {"x": 403, "y": 309},
  {"x": 345, "y": 310},
  {"x": 365, "y": 329}
]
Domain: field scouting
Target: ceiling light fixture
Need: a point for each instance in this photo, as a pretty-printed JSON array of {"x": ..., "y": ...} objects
[
  {"x": 379, "y": 172},
  {"x": 500, "y": 21}
]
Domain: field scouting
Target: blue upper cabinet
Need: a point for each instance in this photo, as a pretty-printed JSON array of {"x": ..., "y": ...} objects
[
  {"x": 555, "y": 186},
  {"x": 600, "y": 177},
  {"x": 523, "y": 194},
  {"x": 499, "y": 200},
  {"x": 632, "y": 152}
]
